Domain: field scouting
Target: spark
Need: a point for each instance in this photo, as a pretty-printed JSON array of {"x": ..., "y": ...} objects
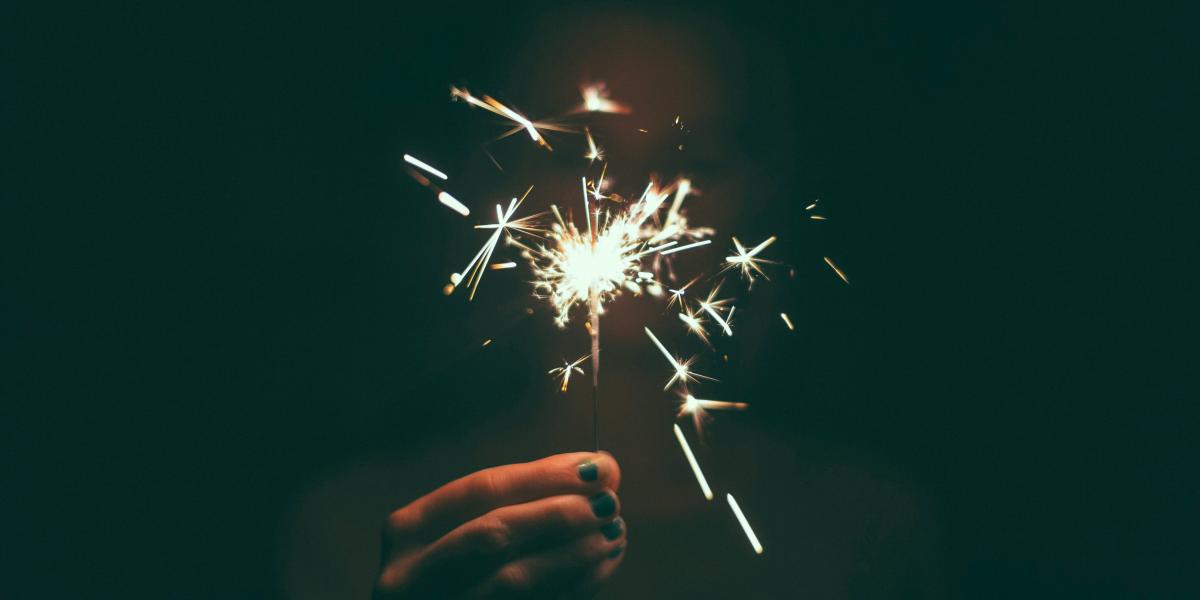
[
  {"x": 486, "y": 342},
  {"x": 737, "y": 512},
  {"x": 686, "y": 247},
  {"x": 788, "y": 321},
  {"x": 494, "y": 106},
  {"x": 692, "y": 404},
  {"x": 835, "y": 268},
  {"x": 817, "y": 218},
  {"x": 564, "y": 372},
  {"x": 505, "y": 225},
  {"x": 677, "y": 295},
  {"x": 747, "y": 261},
  {"x": 605, "y": 257},
  {"x": 693, "y": 323},
  {"x": 698, "y": 409},
  {"x": 501, "y": 266},
  {"x": 691, "y": 458},
  {"x": 595, "y": 99},
  {"x": 682, "y": 372},
  {"x": 713, "y": 307},
  {"x": 453, "y": 203},
  {"x": 593, "y": 151},
  {"x": 813, "y": 205},
  {"x": 420, "y": 164}
]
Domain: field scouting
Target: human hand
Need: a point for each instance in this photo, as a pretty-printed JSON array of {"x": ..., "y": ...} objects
[{"x": 543, "y": 528}]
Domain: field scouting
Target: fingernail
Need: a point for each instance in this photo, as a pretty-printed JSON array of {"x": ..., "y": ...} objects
[
  {"x": 603, "y": 504},
  {"x": 612, "y": 530},
  {"x": 588, "y": 471},
  {"x": 617, "y": 551}
]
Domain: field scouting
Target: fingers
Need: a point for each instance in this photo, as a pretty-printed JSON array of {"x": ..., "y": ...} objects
[
  {"x": 457, "y": 502},
  {"x": 577, "y": 566},
  {"x": 479, "y": 547}
]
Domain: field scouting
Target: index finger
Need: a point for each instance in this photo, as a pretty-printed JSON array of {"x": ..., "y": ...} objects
[{"x": 459, "y": 501}]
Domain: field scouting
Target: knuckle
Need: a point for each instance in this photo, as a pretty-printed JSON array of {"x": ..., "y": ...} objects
[
  {"x": 492, "y": 535},
  {"x": 514, "y": 578}
]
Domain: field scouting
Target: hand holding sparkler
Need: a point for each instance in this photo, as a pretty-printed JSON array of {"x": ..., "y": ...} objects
[{"x": 544, "y": 528}]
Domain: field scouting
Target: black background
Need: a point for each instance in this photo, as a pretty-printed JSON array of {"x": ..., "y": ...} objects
[{"x": 220, "y": 287}]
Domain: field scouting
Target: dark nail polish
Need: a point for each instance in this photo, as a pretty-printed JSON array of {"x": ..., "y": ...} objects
[
  {"x": 588, "y": 471},
  {"x": 617, "y": 551},
  {"x": 612, "y": 530},
  {"x": 603, "y": 504}
]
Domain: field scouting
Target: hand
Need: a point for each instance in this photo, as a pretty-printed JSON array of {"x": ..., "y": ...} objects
[{"x": 544, "y": 528}]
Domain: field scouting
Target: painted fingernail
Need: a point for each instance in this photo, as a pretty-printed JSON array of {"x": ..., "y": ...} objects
[
  {"x": 612, "y": 530},
  {"x": 618, "y": 550},
  {"x": 588, "y": 471},
  {"x": 603, "y": 504}
]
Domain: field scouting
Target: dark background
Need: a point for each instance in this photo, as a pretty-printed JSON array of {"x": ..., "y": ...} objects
[{"x": 220, "y": 289}]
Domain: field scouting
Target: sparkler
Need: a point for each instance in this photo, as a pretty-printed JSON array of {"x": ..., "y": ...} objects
[{"x": 623, "y": 246}]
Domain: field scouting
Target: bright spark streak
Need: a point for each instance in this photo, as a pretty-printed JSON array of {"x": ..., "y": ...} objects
[
  {"x": 694, "y": 324},
  {"x": 817, "y": 217},
  {"x": 503, "y": 265},
  {"x": 737, "y": 511},
  {"x": 682, "y": 374},
  {"x": 564, "y": 372},
  {"x": 691, "y": 458},
  {"x": 416, "y": 162},
  {"x": 504, "y": 225},
  {"x": 747, "y": 261},
  {"x": 686, "y": 247},
  {"x": 712, "y": 306},
  {"x": 835, "y": 268},
  {"x": 494, "y": 106},
  {"x": 693, "y": 404},
  {"x": 453, "y": 203},
  {"x": 593, "y": 151},
  {"x": 788, "y": 321},
  {"x": 677, "y": 295}
]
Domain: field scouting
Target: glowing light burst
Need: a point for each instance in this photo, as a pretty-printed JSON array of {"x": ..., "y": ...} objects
[
  {"x": 522, "y": 122},
  {"x": 714, "y": 306},
  {"x": 595, "y": 99},
  {"x": 683, "y": 372},
  {"x": 747, "y": 261},
  {"x": 698, "y": 409},
  {"x": 564, "y": 372},
  {"x": 593, "y": 265},
  {"x": 505, "y": 225},
  {"x": 694, "y": 324}
]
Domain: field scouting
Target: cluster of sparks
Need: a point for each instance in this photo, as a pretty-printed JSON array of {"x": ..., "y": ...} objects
[{"x": 624, "y": 246}]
